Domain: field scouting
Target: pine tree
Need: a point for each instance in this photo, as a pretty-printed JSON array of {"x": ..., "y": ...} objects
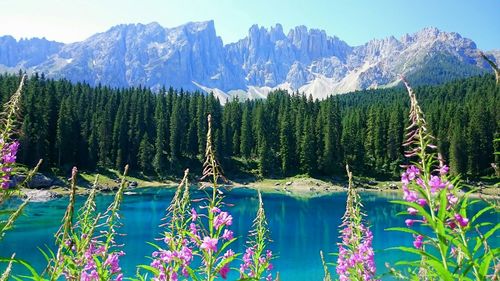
[
  {"x": 160, "y": 153},
  {"x": 145, "y": 154},
  {"x": 308, "y": 152},
  {"x": 246, "y": 132}
]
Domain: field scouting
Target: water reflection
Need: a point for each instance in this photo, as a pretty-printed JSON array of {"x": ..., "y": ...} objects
[{"x": 299, "y": 228}]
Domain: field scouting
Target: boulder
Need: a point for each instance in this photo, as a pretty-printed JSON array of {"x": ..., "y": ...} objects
[
  {"x": 36, "y": 195},
  {"x": 38, "y": 180}
]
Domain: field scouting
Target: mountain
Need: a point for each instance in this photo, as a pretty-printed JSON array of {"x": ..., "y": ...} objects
[{"x": 193, "y": 57}]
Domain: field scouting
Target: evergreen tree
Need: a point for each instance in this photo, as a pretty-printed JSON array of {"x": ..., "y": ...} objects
[
  {"x": 160, "y": 153},
  {"x": 145, "y": 154}
]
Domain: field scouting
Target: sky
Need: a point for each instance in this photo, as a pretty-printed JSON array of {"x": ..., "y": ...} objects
[{"x": 353, "y": 21}]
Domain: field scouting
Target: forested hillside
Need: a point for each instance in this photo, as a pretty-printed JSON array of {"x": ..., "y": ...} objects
[{"x": 161, "y": 133}]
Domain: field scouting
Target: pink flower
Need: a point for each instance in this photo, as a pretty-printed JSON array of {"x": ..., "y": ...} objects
[
  {"x": 409, "y": 195},
  {"x": 452, "y": 199},
  {"x": 228, "y": 254},
  {"x": 418, "y": 242},
  {"x": 194, "y": 215},
  {"x": 223, "y": 219},
  {"x": 444, "y": 170},
  {"x": 422, "y": 202},
  {"x": 463, "y": 222},
  {"x": 269, "y": 254},
  {"x": 435, "y": 183},
  {"x": 412, "y": 172},
  {"x": 409, "y": 222},
  {"x": 228, "y": 234},
  {"x": 412, "y": 211},
  {"x": 224, "y": 271},
  {"x": 404, "y": 179},
  {"x": 209, "y": 244}
]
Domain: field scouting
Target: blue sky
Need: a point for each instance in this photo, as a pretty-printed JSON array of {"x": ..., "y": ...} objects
[{"x": 353, "y": 21}]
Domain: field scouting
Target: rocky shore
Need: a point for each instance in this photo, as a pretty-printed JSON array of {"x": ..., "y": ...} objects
[{"x": 42, "y": 188}]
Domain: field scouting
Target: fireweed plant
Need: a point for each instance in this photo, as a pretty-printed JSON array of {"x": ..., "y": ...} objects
[
  {"x": 87, "y": 250},
  {"x": 454, "y": 244},
  {"x": 257, "y": 258},
  {"x": 355, "y": 259},
  {"x": 196, "y": 241},
  {"x": 9, "y": 119}
]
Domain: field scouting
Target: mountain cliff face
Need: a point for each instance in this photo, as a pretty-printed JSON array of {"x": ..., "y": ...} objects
[
  {"x": 193, "y": 57},
  {"x": 26, "y": 53}
]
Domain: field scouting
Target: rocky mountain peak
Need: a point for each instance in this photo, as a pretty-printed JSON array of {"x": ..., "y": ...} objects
[{"x": 192, "y": 56}]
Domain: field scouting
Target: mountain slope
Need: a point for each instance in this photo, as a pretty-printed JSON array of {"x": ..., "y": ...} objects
[{"x": 193, "y": 57}]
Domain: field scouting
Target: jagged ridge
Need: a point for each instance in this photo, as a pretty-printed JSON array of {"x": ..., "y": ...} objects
[{"x": 192, "y": 57}]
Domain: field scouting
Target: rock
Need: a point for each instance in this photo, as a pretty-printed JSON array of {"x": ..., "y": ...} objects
[
  {"x": 277, "y": 184},
  {"x": 58, "y": 182},
  {"x": 36, "y": 195},
  {"x": 393, "y": 186},
  {"x": 132, "y": 184},
  {"x": 38, "y": 181},
  {"x": 106, "y": 189},
  {"x": 288, "y": 183}
]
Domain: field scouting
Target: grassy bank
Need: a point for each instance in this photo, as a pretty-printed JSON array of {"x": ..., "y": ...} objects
[{"x": 301, "y": 186}]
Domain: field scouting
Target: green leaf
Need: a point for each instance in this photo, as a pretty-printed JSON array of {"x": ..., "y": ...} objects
[
  {"x": 444, "y": 274},
  {"x": 153, "y": 270},
  {"x": 415, "y": 251},
  {"x": 480, "y": 213},
  {"x": 420, "y": 209}
]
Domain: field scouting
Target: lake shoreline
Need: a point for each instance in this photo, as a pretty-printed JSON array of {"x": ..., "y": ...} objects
[{"x": 299, "y": 187}]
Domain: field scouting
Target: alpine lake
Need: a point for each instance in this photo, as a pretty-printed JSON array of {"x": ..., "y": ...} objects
[{"x": 299, "y": 228}]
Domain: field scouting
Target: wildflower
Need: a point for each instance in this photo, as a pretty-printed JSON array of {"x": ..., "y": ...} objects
[
  {"x": 356, "y": 256},
  {"x": 223, "y": 219},
  {"x": 224, "y": 271},
  {"x": 412, "y": 172},
  {"x": 228, "y": 254},
  {"x": 409, "y": 222},
  {"x": 443, "y": 170},
  {"x": 435, "y": 183},
  {"x": 418, "y": 242},
  {"x": 209, "y": 244},
  {"x": 409, "y": 195},
  {"x": 8, "y": 158},
  {"x": 422, "y": 202},
  {"x": 194, "y": 214},
  {"x": 452, "y": 199},
  {"x": 412, "y": 211},
  {"x": 227, "y": 235},
  {"x": 463, "y": 222}
]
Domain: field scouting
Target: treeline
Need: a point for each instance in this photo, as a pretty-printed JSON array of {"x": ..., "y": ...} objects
[{"x": 161, "y": 133}]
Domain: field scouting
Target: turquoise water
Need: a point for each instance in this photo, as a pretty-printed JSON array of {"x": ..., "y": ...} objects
[{"x": 299, "y": 228}]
